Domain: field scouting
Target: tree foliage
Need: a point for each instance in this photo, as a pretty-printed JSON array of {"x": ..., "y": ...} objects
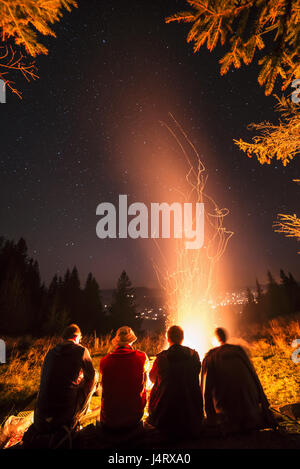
[
  {"x": 247, "y": 27},
  {"x": 123, "y": 307},
  {"x": 276, "y": 141},
  {"x": 93, "y": 309},
  {"x": 276, "y": 299},
  {"x": 28, "y": 307},
  {"x": 22, "y": 23},
  {"x": 21, "y": 292},
  {"x": 288, "y": 224}
]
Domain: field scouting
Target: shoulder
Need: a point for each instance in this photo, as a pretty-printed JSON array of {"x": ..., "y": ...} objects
[
  {"x": 85, "y": 353},
  {"x": 233, "y": 348},
  {"x": 51, "y": 353},
  {"x": 79, "y": 349},
  {"x": 192, "y": 352},
  {"x": 105, "y": 358},
  {"x": 161, "y": 355},
  {"x": 141, "y": 355},
  {"x": 160, "y": 358},
  {"x": 211, "y": 353},
  {"x": 104, "y": 361},
  {"x": 242, "y": 351}
]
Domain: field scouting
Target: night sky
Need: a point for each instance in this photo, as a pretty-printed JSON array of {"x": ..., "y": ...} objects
[{"x": 89, "y": 129}]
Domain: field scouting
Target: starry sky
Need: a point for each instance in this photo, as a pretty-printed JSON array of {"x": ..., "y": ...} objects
[{"x": 89, "y": 129}]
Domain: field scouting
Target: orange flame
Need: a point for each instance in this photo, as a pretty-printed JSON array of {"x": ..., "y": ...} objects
[{"x": 189, "y": 287}]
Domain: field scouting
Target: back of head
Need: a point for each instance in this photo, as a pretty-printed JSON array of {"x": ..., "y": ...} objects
[
  {"x": 221, "y": 335},
  {"x": 71, "y": 332},
  {"x": 124, "y": 336},
  {"x": 175, "y": 335}
]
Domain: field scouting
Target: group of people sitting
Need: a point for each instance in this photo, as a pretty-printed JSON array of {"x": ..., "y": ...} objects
[{"x": 186, "y": 398}]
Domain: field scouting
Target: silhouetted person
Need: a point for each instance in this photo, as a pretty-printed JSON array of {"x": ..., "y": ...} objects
[
  {"x": 175, "y": 404},
  {"x": 123, "y": 379},
  {"x": 232, "y": 393},
  {"x": 67, "y": 382}
]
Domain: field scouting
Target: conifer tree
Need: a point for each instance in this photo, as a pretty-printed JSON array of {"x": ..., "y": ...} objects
[
  {"x": 74, "y": 297},
  {"x": 279, "y": 299},
  {"x": 22, "y": 23},
  {"x": 93, "y": 316},
  {"x": 56, "y": 322},
  {"x": 269, "y": 31},
  {"x": 280, "y": 142},
  {"x": 21, "y": 293},
  {"x": 123, "y": 307},
  {"x": 259, "y": 291},
  {"x": 273, "y": 296},
  {"x": 288, "y": 224},
  {"x": 290, "y": 292},
  {"x": 249, "y": 309},
  {"x": 247, "y": 27},
  {"x": 250, "y": 297}
]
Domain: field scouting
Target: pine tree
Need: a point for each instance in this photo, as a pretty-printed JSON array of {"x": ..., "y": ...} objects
[
  {"x": 249, "y": 310},
  {"x": 72, "y": 296},
  {"x": 93, "y": 310},
  {"x": 22, "y": 22},
  {"x": 250, "y": 297},
  {"x": 273, "y": 296},
  {"x": 288, "y": 224},
  {"x": 290, "y": 292},
  {"x": 21, "y": 293},
  {"x": 53, "y": 287},
  {"x": 56, "y": 322},
  {"x": 259, "y": 292},
  {"x": 123, "y": 307},
  {"x": 247, "y": 27},
  {"x": 284, "y": 278},
  {"x": 280, "y": 142}
]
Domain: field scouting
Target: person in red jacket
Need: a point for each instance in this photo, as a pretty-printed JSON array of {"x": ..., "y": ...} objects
[{"x": 123, "y": 378}]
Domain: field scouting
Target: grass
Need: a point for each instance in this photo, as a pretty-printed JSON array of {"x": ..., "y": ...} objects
[
  {"x": 271, "y": 353},
  {"x": 270, "y": 349}
]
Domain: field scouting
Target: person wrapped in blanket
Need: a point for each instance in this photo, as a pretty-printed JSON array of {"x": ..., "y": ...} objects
[
  {"x": 233, "y": 397},
  {"x": 175, "y": 403},
  {"x": 67, "y": 382}
]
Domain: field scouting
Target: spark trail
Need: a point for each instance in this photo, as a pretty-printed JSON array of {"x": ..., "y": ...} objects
[{"x": 189, "y": 287}]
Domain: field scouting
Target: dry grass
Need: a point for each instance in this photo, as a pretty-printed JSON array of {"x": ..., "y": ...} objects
[
  {"x": 19, "y": 378},
  {"x": 272, "y": 357},
  {"x": 270, "y": 348}
]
